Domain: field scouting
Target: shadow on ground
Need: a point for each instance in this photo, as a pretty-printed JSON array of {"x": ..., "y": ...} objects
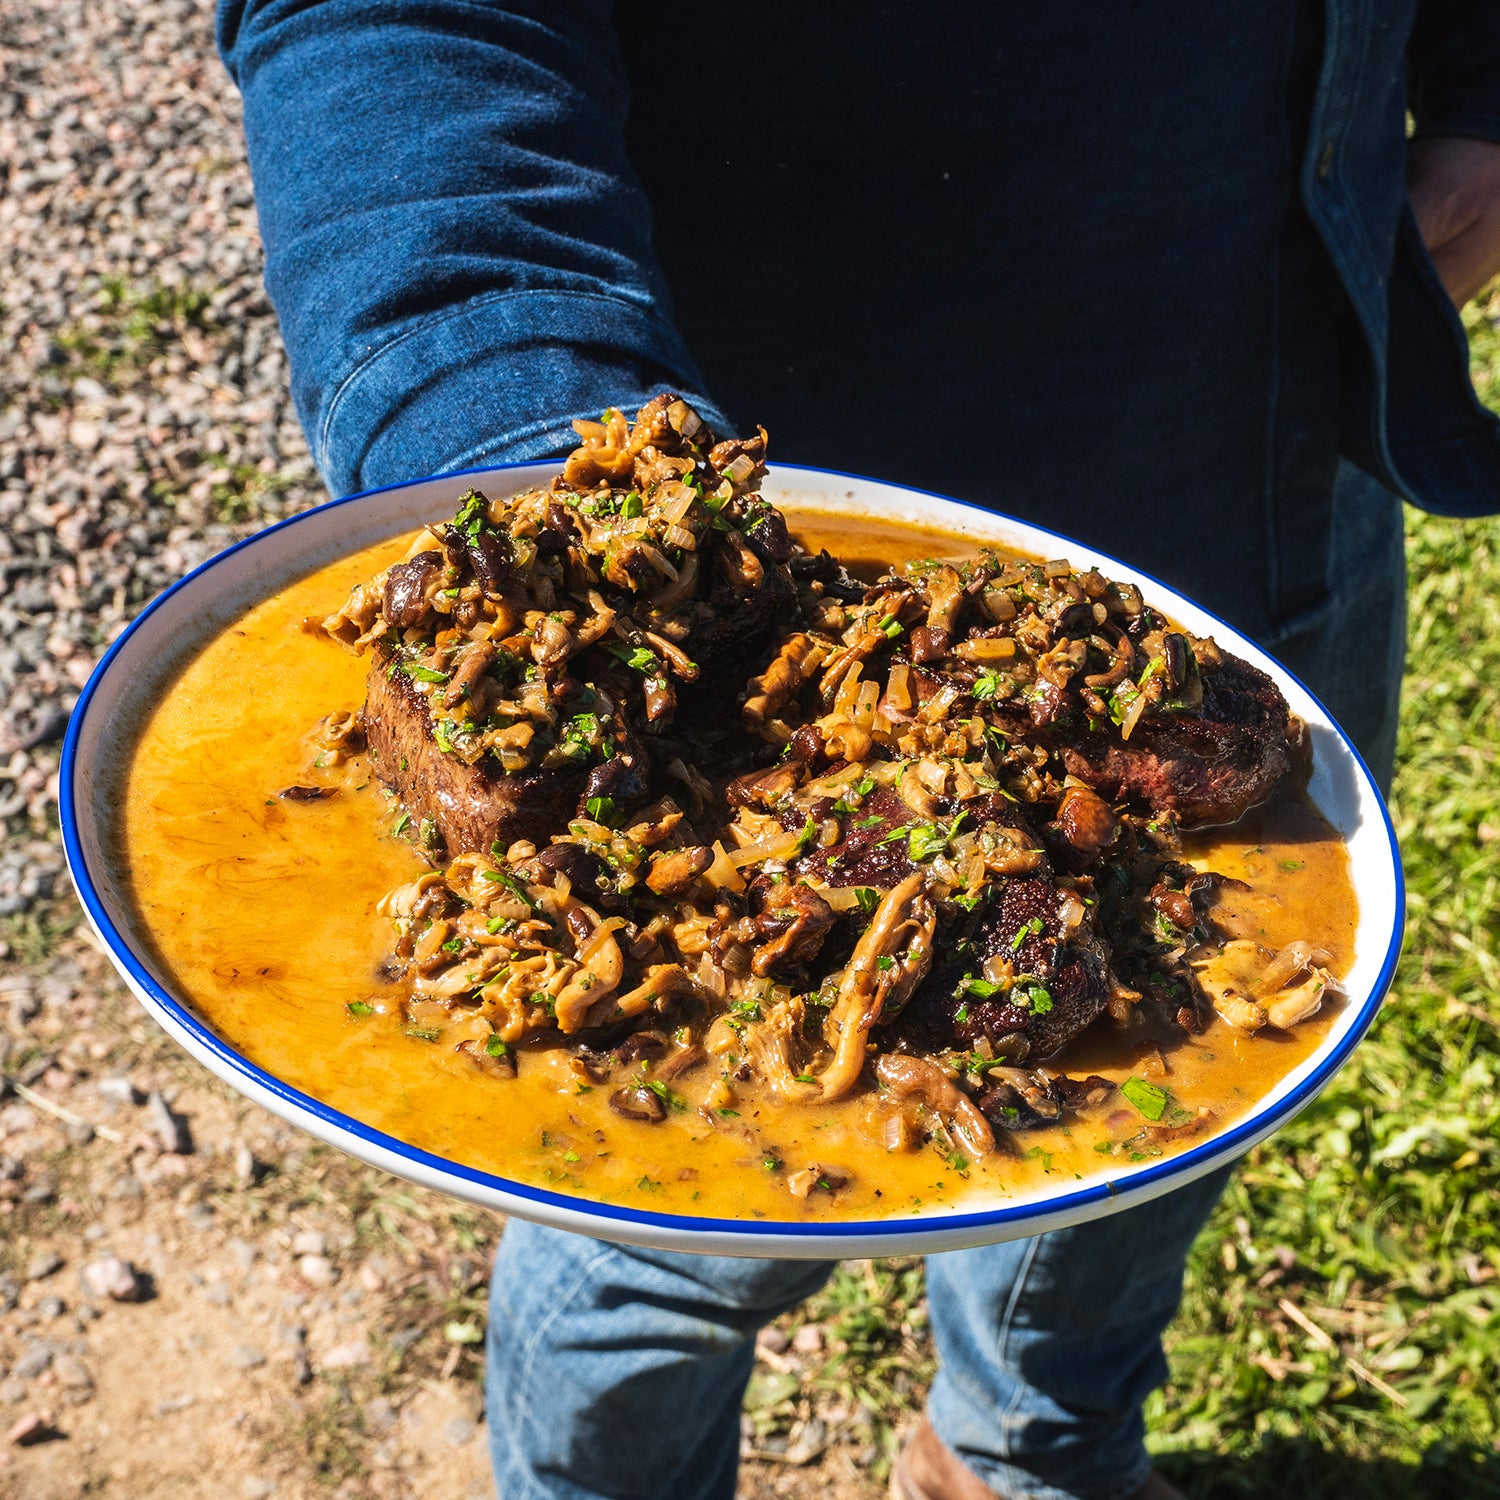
[{"x": 1300, "y": 1469}]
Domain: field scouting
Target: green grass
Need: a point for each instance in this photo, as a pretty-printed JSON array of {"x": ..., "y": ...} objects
[{"x": 129, "y": 327}]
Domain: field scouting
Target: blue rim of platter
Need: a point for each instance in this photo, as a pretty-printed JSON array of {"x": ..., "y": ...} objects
[{"x": 1220, "y": 1147}]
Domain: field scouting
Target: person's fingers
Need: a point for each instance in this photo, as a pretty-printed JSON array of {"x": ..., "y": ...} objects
[
  {"x": 1454, "y": 186},
  {"x": 1468, "y": 262}
]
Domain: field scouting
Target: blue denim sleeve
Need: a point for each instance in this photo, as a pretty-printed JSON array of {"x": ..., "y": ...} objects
[
  {"x": 1454, "y": 68},
  {"x": 456, "y": 244}
]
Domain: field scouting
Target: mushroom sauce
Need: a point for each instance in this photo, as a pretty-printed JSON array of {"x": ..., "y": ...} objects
[{"x": 264, "y": 912}]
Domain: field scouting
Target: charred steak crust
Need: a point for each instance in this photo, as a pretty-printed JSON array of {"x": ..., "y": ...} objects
[
  {"x": 1072, "y": 968},
  {"x": 1210, "y": 765},
  {"x": 471, "y": 807}
]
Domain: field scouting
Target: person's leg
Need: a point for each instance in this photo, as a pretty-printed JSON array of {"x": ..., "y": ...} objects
[
  {"x": 1048, "y": 1347},
  {"x": 618, "y": 1372}
]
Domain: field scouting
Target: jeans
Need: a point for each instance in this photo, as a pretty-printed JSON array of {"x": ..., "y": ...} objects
[{"x": 617, "y": 1372}]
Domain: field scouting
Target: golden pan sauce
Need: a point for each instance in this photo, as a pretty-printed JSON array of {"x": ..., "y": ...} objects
[{"x": 261, "y": 914}]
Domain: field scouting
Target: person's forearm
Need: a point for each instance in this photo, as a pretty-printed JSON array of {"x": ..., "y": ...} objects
[{"x": 455, "y": 243}]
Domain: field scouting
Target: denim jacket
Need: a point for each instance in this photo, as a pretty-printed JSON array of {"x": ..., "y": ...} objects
[{"x": 462, "y": 258}]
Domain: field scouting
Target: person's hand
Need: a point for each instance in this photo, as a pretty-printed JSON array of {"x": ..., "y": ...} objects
[{"x": 1454, "y": 185}]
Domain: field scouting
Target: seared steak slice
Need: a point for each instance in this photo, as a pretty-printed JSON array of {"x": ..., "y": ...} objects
[
  {"x": 1208, "y": 765},
  {"x": 1063, "y": 977},
  {"x": 471, "y": 807},
  {"x": 869, "y": 853}
]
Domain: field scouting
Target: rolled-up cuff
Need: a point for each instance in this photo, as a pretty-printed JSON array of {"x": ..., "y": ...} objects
[{"x": 499, "y": 378}]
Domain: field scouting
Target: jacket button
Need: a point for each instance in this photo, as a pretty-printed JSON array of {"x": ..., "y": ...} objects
[{"x": 1325, "y": 159}]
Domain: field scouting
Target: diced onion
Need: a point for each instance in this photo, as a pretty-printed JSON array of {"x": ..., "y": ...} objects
[
  {"x": 679, "y": 505},
  {"x": 722, "y": 873},
  {"x": 779, "y": 846},
  {"x": 986, "y": 648},
  {"x": 898, "y": 688},
  {"x": 845, "y": 897},
  {"x": 848, "y": 692},
  {"x": 1133, "y": 714},
  {"x": 680, "y": 536}
]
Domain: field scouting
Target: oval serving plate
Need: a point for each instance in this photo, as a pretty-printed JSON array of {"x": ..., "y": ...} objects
[{"x": 176, "y": 625}]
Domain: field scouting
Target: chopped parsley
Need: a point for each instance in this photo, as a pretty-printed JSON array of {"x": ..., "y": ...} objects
[
  {"x": 667, "y": 1097},
  {"x": 360, "y": 1008},
  {"x": 1147, "y": 1097},
  {"x": 1027, "y": 929},
  {"x": 984, "y": 988},
  {"x": 637, "y": 658},
  {"x": 602, "y": 810},
  {"x": 495, "y": 1047}
]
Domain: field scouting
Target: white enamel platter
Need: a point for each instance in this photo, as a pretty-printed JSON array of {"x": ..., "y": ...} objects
[{"x": 146, "y": 657}]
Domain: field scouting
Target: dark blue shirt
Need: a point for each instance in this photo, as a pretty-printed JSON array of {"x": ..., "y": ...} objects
[{"x": 1134, "y": 271}]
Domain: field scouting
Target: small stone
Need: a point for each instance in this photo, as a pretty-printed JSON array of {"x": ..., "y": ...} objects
[
  {"x": 242, "y": 1252},
  {"x": 371, "y": 1276},
  {"x": 257, "y": 1489},
  {"x": 112, "y": 1277},
  {"x": 199, "y": 1215},
  {"x": 293, "y": 1334},
  {"x": 119, "y": 1089},
  {"x": 403, "y": 1338},
  {"x": 43, "y": 1190},
  {"x": 244, "y": 1357},
  {"x": 52, "y": 1307},
  {"x": 317, "y": 1270},
  {"x": 171, "y": 1129},
  {"x": 302, "y": 1368},
  {"x": 808, "y": 1339},
  {"x": 175, "y": 1404},
  {"x": 218, "y": 1294},
  {"x": 458, "y": 1431},
  {"x": 310, "y": 1242},
  {"x": 246, "y": 1168},
  {"x": 774, "y": 1339},
  {"x": 33, "y": 1363},
  {"x": 71, "y": 1372},
  {"x": 13, "y": 1391},
  {"x": 380, "y": 1416},
  {"x": 10, "y": 1291},
  {"x": 32, "y": 1428},
  {"x": 352, "y": 1356},
  {"x": 43, "y": 1264}
]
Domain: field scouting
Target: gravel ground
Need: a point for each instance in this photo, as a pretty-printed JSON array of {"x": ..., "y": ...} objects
[
  {"x": 186, "y": 1287},
  {"x": 144, "y": 419}
]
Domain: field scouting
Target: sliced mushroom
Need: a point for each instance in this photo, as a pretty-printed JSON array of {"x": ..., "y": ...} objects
[
  {"x": 638, "y": 1103},
  {"x": 601, "y": 966},
  {"x": 497, "y": 1065},
  {"x": 678, "y": 868},
  {"x": 918, "y": 1078}
]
